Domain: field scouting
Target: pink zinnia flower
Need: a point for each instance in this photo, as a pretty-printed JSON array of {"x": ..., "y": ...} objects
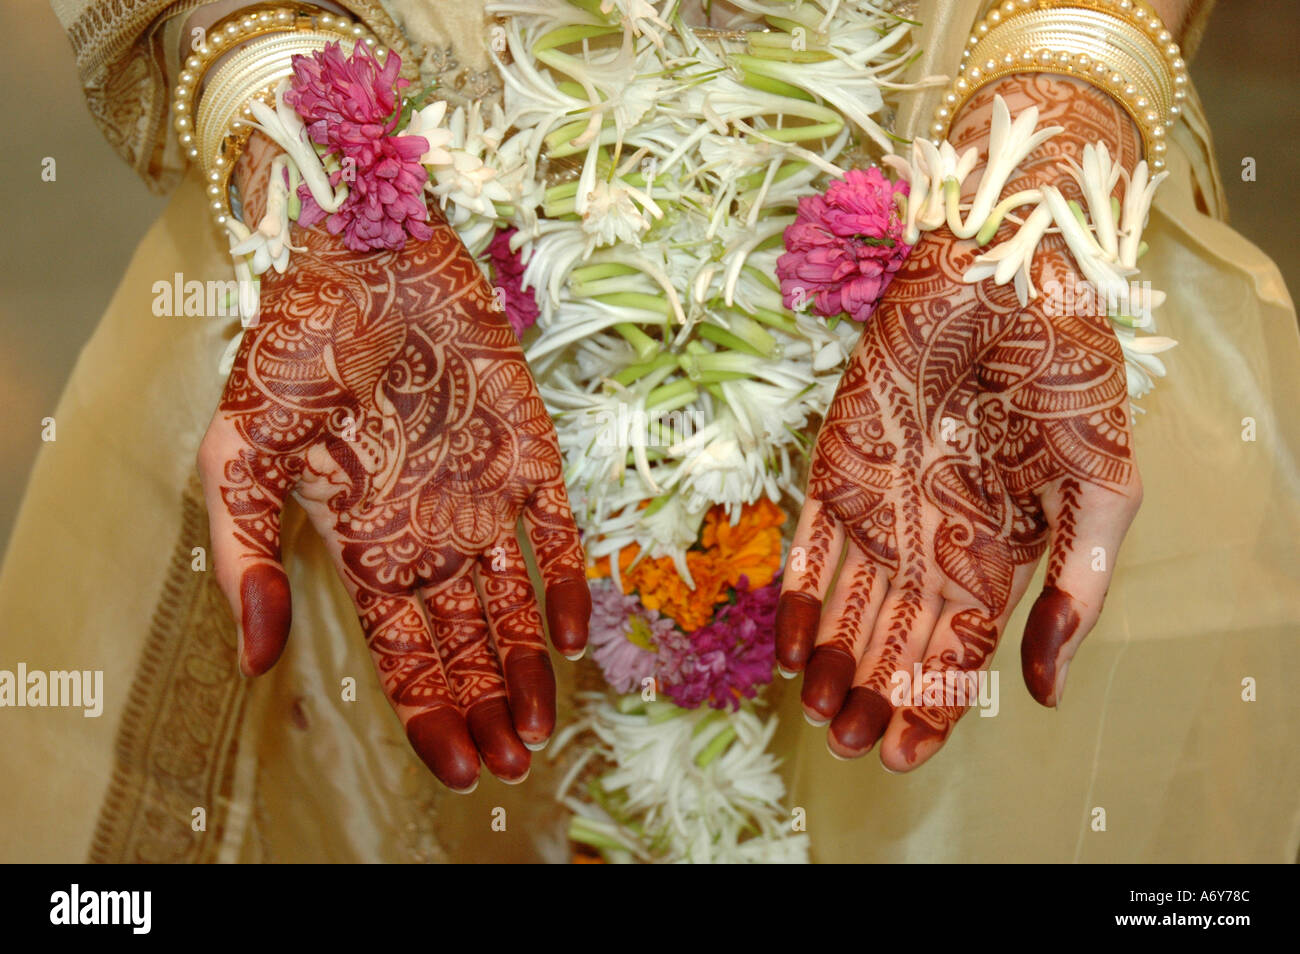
[
  {"x": 844, "y": 247},
  {"x": 508, "y": 275},
  {"x": 625, "y": 636},
  {"x": 730, "y": 657},
  {"x": 351, "y": 106}
]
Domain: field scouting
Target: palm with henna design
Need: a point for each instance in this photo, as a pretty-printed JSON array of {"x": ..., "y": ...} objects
[
  {"x": 388, "y": 393},
  {"x": 968, "y": 434}
]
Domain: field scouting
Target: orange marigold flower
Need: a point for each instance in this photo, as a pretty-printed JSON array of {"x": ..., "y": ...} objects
[{"x": 751, "y": 548}]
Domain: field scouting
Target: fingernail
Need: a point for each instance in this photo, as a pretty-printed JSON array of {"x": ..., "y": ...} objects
[
  {"x": 521, "y": 779},
  {"x": 537, "y": 746},
  {"x": 466, "y": 791},
  {"x": 1060, "y": 682},
  {"x": 796, "y": 628},
  {"x": 785, "y": 673},
  {"x": 835, "y": 755},
  {"x": 576, "y": 656},
  {"x": 815, "y": 723}
]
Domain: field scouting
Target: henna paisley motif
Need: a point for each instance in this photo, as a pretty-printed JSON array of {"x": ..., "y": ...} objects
[
  {"x": 967, "y": 434},
  {"x": 387, "y": 392}
]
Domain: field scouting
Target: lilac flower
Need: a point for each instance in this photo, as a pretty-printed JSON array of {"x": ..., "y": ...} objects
[
  {"x": 625, "y": 636},
  {"x": 727, "y": 659}
]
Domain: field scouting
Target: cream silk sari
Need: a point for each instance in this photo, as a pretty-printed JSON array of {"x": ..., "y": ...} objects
[{"x": 100, "y": 575}]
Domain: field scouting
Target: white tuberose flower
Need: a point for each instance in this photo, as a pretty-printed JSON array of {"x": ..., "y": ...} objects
[{"x": 427, "y": 122}]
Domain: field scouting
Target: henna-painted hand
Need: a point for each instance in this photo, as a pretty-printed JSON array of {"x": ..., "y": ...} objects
[
  {"x": 387, "y": 391},
  {"x": 966, "y": 434}
]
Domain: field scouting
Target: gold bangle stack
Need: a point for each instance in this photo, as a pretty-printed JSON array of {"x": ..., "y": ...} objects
[
  {"x": 1119, "y": 46},
  {"x": 267, "y": 36}
]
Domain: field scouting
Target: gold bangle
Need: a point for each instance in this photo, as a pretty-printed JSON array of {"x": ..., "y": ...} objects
[
  {"x": 268, "y": 36},
  {"x": 1119, "y": 46}
]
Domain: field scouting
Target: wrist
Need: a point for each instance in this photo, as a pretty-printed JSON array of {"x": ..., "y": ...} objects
[
  {"x": 252, "y": 176},
  {"x": 1085, "y": 114}
]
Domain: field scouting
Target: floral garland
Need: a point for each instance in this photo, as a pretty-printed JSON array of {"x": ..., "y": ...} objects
[
  {"x": 1105, "y": 241},
  {"x": 673, "y": 213}
]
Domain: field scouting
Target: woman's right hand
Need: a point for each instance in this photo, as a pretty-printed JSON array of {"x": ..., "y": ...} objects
[{"x": 389, "y": 393}]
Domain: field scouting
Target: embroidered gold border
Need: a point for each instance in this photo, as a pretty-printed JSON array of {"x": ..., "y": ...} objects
[{"x": 178, "y": 737}]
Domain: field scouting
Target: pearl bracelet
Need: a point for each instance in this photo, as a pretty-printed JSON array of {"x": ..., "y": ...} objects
[
  {"x": 1119, "y": 46},
  {"x": 268, "y": 37}
]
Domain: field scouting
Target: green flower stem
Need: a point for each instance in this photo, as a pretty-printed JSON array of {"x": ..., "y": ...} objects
[
  {"x": 708, "y": 719},
  {"x": 755, "y": 180},
  {"x": 764, "y": 277},
  {"x": 798, "y": 18},
  {"x": 660, "y": 712},
  {"x": 716, "y": 747},
  {"x": 732, "y": 342},
  {"x": 642, "y": 343},
  {"x": 805, "y": 133},
  {"x": 561, "y": 207},
  {"x": 598, "y": 270},
  {"x": 558, "y": 140},
  {"x": 573, "y": 33},
  {"x": 654, "y": 506},
  {"x": 565, "y": 190},
  {"x": 604, "y": 287},
  {"x": 776, "y": 87},
  {"x": 780, "y": 46},
  {"x": 638, "y": 300},
  {"x": 591, "y": 6},
  {"x": 635, "y": 372},
  {"x": 581, "y": 831},
  {"x": 745, "y": 364},
  {"x": 669, "y": 397},
  {"x": 776, "y": 319},
  {"x": 742, "y": 326},
  {"x": 990, "y": 227},
  {"x": 1077, "y": 211}
]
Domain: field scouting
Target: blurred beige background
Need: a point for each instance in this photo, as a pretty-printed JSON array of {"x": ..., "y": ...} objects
[{"x": 67, "y": 242}]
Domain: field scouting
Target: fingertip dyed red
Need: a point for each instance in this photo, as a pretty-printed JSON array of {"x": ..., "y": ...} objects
[
  {"x": 861, "y": 723},
  {"x": 493, "y": 731},
  {"x": 266, "y": 612},
  {"x": 797, "y": 615},
  {"x": 568, "y": 613},
  {"x": 442, "y": 740},
  {"x": 826, "y": 682},
  {"x": 1052, "y": 623},
  {"x": 530, "y": 686}
]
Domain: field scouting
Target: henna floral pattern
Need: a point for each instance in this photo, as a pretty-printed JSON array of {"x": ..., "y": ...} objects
[
  {"x": 967, "y": 433},
  {"x": 388, "y": 392}
]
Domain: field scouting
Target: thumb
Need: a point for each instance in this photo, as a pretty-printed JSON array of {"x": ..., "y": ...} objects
[
  {"x": 245, "y": 493},
  {"x": 1087, "y": 524}
]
